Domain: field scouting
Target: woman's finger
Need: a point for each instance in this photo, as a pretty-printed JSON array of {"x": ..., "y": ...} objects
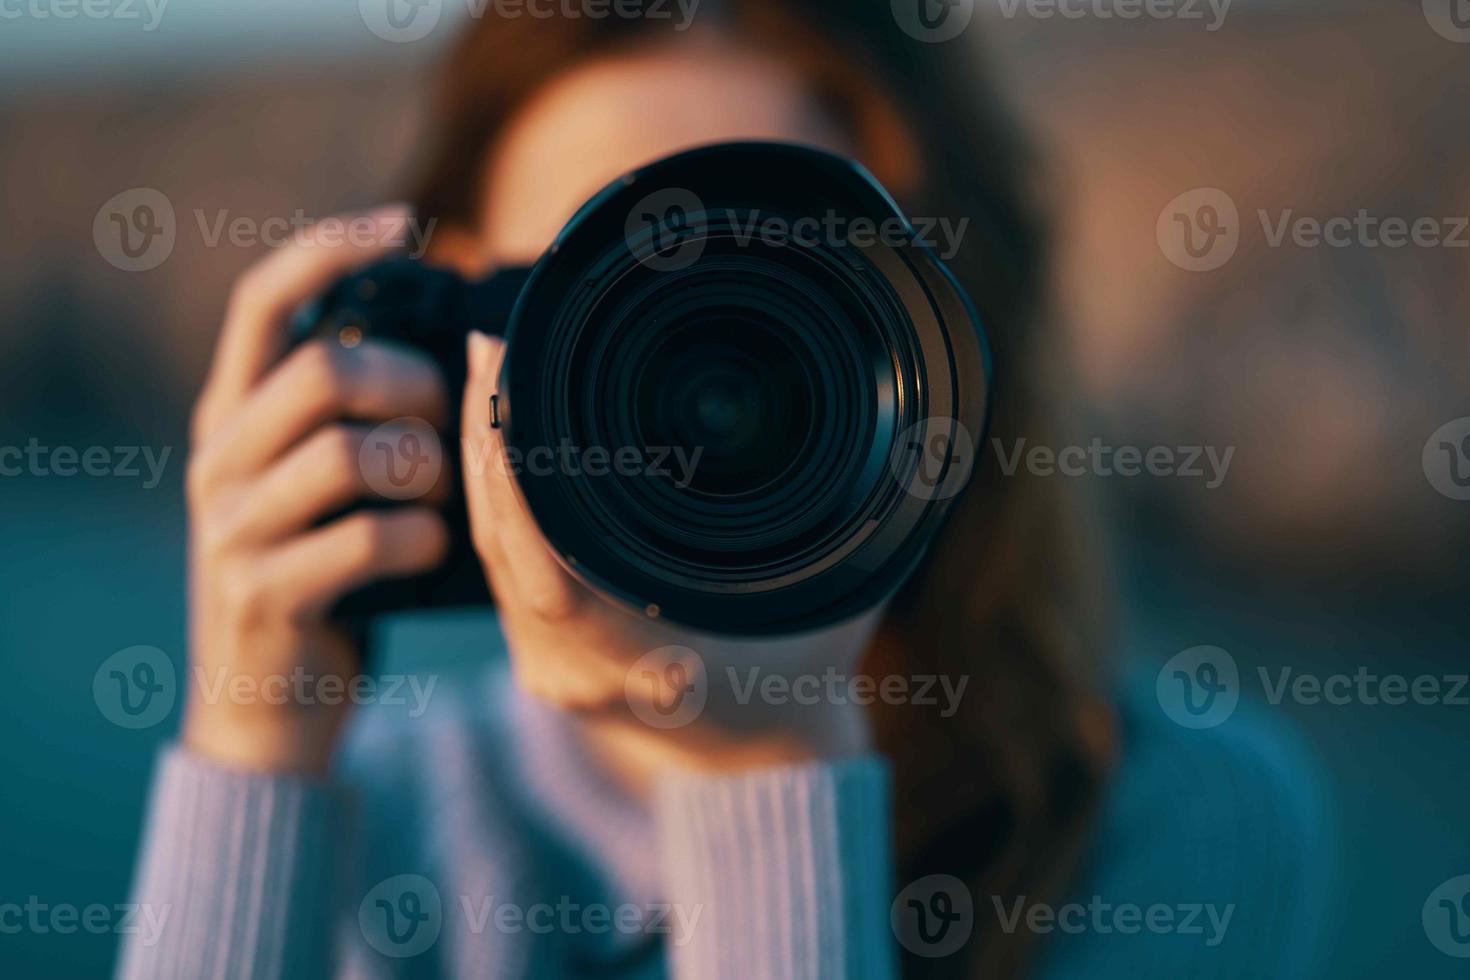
[
  {"x": 321, "y": 382},
  {"x": 332, "y": 468},
  {"x": 509, "y": 543},
  {"x": 307, "y": 575},
  {"x": 267, "y": 293}
]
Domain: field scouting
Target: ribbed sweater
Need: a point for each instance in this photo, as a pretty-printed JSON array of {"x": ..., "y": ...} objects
[{"x": 480, "y": 841}]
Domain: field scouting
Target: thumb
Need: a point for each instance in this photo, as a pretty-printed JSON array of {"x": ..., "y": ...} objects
[
  {"x": 517, "y": 559},
  {"x": 480, "y": 448}
]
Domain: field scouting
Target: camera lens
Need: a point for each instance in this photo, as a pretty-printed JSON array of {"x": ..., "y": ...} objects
[
  {"x": 745, "y": 397},
  {"x": 757, "y": 384},
  {"x": 731, "y": 392}
]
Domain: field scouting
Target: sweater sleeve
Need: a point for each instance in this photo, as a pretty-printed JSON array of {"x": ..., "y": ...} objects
[
  {"x": 235, "y": 876},
  {"x": 781, "y": 873}
]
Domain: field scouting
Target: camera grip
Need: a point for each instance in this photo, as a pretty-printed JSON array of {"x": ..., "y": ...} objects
[{"x": 431, "y": 310}]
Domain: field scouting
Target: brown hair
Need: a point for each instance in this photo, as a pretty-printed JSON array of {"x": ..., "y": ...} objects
[{"x": 1001, "y": 793}]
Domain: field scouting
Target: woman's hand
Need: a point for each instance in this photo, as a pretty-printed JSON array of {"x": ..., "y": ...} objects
[
  {"x": 575, "y": 650},
  {"x": 273, "y": 456}
]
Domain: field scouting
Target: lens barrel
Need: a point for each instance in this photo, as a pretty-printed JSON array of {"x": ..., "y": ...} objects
[{"x": 738, "y": 394}]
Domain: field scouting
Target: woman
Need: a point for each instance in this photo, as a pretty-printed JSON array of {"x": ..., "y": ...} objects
[{"x": 501, "y": 834}]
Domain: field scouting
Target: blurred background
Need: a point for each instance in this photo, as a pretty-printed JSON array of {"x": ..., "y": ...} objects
[{"x": 1336, "y": 541}]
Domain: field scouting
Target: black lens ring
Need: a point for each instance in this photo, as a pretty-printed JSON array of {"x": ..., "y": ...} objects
[
  {"x": 938, "y": 364},
  {"x": 835, "y": 531},
  {"x": 829, "y": 355}
]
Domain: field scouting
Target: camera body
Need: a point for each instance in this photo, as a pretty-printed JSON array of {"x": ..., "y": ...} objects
[{"x": 781, "y": 389}]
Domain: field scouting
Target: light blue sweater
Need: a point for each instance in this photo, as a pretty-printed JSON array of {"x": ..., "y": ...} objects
[{"x": 478, "y": 841}]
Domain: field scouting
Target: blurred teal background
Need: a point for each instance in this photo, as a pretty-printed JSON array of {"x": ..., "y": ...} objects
[{"x": 1327, "y": 549}]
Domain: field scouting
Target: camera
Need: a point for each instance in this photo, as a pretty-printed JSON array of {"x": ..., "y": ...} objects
[{"x": 781, "y": 386}]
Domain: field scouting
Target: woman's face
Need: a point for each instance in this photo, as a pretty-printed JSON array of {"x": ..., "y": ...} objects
[
  {"x": 606, "y": 117},
  {"x": 584, "y": 129}
]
